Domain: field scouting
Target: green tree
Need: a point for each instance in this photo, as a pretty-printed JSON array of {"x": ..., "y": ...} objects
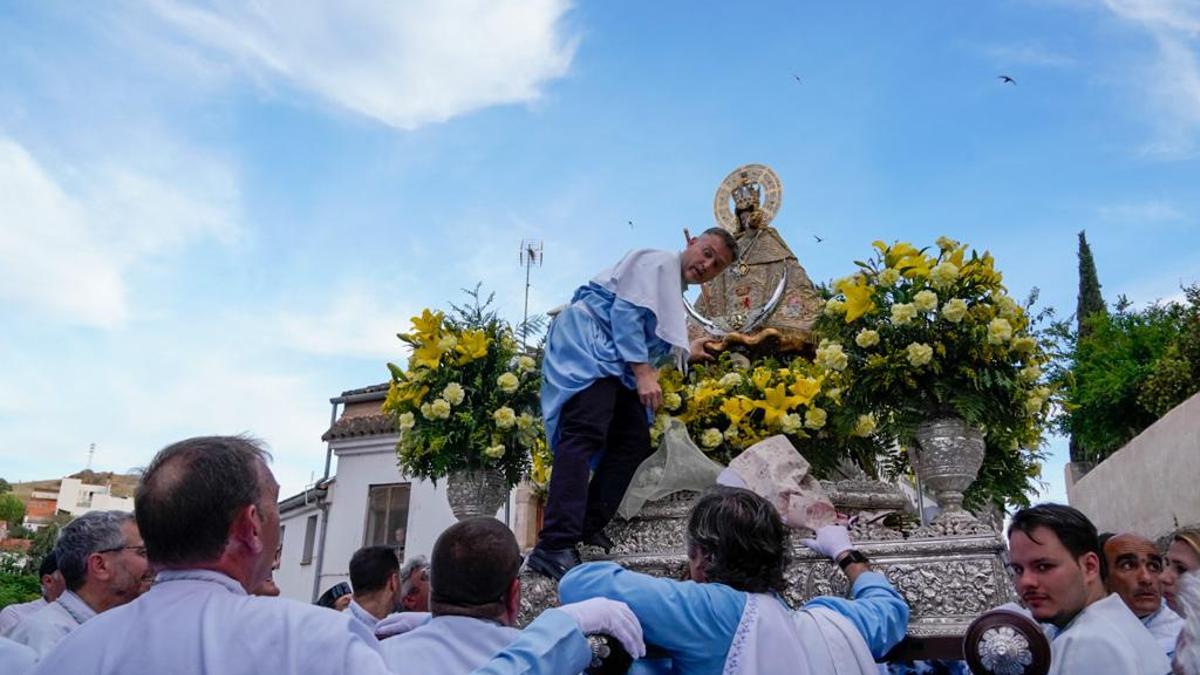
[
  {"x": 1088, "y": 304},
  {"x": 12, "y": 509},
  {"x": 5, "y": 486}
]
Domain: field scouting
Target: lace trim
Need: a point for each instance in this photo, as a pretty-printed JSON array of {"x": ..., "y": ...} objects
[{"x": 733, "y": 660}]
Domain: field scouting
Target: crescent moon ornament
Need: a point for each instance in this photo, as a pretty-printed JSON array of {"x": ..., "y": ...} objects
[{"x": 752, "y": 321}]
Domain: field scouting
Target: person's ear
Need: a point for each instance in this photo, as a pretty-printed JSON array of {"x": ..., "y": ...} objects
[
  {"x": 514, "y": 598},
  {"x": 248, "y": 528},
  {"x": 97, "y": 567},
  {"x": 1090, "y": 562}
]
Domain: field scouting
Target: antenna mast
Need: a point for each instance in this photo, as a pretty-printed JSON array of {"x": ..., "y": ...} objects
[{"x": 531, "y": 254}]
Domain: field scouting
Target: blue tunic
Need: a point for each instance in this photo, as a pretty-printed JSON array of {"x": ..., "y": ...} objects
[
  {"x": 598, "y": 335},
  {"x": 696, "y": 623}
]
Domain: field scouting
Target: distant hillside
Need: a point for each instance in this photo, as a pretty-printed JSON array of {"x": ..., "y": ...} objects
[{"x": 122, "y": 484}]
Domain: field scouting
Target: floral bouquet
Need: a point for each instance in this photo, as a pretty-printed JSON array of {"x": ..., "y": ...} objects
[{"x": 469, "y": 397}]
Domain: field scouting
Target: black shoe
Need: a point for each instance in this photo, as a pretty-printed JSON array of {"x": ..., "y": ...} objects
[
  {"x": 553, "y": 564},
  {"x": 600, "y": 540}
]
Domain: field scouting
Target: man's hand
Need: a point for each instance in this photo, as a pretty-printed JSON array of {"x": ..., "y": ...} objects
[
  {"x": 601, "y": 616},
  {"x": 647, "y": 385},
  {"x": 697, "y": 350},
  {"x": 832, "y": 541}
]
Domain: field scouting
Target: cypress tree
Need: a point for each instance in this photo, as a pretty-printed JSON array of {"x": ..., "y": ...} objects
[{"x": 1088, "y": 304}]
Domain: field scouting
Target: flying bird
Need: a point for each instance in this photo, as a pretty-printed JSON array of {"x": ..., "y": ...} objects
[
  {"x": 1004, "y": 79},
  {"x": 630, "y": 224},
  {"x": 819, "y": 240},
  {"x": 797, "y": 78}
]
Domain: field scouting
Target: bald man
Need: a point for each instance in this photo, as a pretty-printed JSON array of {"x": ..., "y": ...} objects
[{"x": 1134, "y": 572}]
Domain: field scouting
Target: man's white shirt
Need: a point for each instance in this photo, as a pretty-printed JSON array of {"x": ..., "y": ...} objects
[
  {"x": 46, "y": 627},
  {"x": 13, "y": 614}
]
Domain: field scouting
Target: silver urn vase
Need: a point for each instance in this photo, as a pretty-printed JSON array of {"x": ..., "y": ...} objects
[
  {"x": 476, "y": 492},
  {"x": 947, "y": 458}
]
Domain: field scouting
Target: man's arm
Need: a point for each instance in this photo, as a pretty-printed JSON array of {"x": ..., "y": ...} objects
[
  {"x": 876, "y": 610},
  {"x": 551, "y": 644},
  {"x": 629, "y": 335}
]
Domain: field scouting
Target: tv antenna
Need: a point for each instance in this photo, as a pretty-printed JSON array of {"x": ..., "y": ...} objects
[
  {"x": 91, "y": 455},
  {"x": 531, "y": 254}
]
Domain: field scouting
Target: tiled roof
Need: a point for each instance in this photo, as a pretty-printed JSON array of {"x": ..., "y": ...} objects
[{"x": 362, "y": 425}]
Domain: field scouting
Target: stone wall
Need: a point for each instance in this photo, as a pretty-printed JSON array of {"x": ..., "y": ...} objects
[{"x": 1150, "y": 486}]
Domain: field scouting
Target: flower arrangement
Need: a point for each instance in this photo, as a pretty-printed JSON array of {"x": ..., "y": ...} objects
[
  {"x": 925, "y": 334},
  {"x": 469, "y": 397}
]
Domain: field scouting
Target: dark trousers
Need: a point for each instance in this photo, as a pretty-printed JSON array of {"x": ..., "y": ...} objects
[{"x": 606, "y": 417}]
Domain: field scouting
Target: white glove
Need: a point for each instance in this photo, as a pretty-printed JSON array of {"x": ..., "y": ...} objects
[
  {"x": 832, "y": 541},
  {"x": 609, "y": 617}
]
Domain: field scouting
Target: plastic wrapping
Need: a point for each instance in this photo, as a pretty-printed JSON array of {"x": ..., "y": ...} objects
[{"x": 677, "y": 465}]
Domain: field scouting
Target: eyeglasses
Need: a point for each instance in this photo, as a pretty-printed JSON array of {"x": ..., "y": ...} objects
[{"x": 137, "y": 550}]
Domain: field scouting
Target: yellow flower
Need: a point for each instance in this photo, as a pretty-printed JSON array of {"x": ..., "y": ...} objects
[
  {"x": 926, "y": 301},
  {"x": 1024, "y": 344},
  {"x": 705, "y": 391},
  {"x": 791, "y": 423},
  {"x": 814, "y": 418},
  {"x": 473, "y": 344},
  {"x": 889, "y": 277},
  {"x": 954, "y": 310},
  {"x": 834, "y": 307},
  {"x": 526, "y": 364},
  {"x": 440, "y": 408},
  {"x": 1029, "y": 373},
  {"x": 672, "y": 401},
  {"x": 775, "y": 404},
  {"x": 864, "y": 425},
  {"x": 999, "y": 331},
  {"x": 903, "y": 312},
  {"x": 427, "y": 325},
  {"x": 919, "y": 353},
  {"x": 426, "y": 356},
  {"x": 407, "y": 421},
  {"x": 831, "y": 357},
  {"x": 946, "y": 243},
  {"x": 711, "y": 438},
  {"x": 508, "y": 383},
  {"x": 730, "y": 380},
  {"x": 454, "y": 393},
  {"x": 761, "y": 377},
  {"x": 866, "y": 338},
  {"x": 525, "y": 422},
  {"x": 835, "y": 395},
  {"x": 660, "y": 425},
  {"x": 736, "y": 408},
  {"x": 858, "y": 296},
  {"x": 426, "y": 411},
  {"x": 943, "y": 275},
  {"x": 1007, "y": 307},
  {"x": 805, "y": 389},
  {"x": 495, "y": 451},
  {"x": 447, "y": 343},
  {"x": 1033, "y": 405},
  {"x": 504, "y": 417}
]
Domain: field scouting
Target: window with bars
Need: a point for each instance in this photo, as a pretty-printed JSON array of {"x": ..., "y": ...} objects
[{"x": 387, "y": 516}]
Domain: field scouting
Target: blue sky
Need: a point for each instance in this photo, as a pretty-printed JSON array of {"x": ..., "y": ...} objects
[{"x": 213, "y": 218}]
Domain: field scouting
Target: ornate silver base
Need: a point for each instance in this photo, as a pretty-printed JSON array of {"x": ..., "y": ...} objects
[
  {"x": 477, "y": 492},
  {"x": 948, "y": 572}
]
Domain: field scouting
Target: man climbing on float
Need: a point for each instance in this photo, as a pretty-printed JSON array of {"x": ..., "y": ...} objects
[{"x": 600, "y": 386}]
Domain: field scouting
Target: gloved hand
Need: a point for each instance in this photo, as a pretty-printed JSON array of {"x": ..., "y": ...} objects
[
  {"x": 832, "y": 541},
  {"x": 608, "y": 617}
]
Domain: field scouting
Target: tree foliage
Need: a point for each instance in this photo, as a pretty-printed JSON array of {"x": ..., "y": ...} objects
[{"x": 12, "y": 509}]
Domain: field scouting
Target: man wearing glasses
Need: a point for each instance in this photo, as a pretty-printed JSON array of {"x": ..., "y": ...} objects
[{"x": 103, "y": 563}]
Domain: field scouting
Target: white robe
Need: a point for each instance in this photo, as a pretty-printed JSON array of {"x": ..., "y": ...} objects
[
  {"x": 13, "y": 614},
  {"x": 46, "y": 627},
  {"x": 810, "y": 641},
  {"x": 447, "y": 645},
  {"x": 368, "y": 619},
  {"x": 1164, "y": 625},
  {"x": 15, "y": 659},
  {"x": 1106, "y": 639}
]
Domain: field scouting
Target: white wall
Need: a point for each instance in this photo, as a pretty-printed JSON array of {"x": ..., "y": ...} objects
[
  {"x": 295, "y": 580},
  {"x": 72, "y": 492},
  {"x": 1148, "y": 486}
]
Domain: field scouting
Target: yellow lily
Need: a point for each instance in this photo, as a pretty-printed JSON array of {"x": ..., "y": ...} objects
[
  {"x": 775, "y": 404},
  {"x": 761, "y": 377},
  {"x": 736, "y": 408},
  {"x": 806, "y": 389},
  {"x": 426, "y": 356},
  {"x": 428, "y": 324},
  {"x": 473, "y": 344},
  {"x": 858, "y": 298}
]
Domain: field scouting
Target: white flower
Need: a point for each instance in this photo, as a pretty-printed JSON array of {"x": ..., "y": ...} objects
[
  {"x": 1029, "y": 373},
  {"x": 731, "y": 434},
  {"x": 448, "y": 343},
  {"x": 1008, "y": 308},
  {"x": 926, "y": 301},
  {"x": 508, "y": 383},
  {"x": 919, "y": 353},
  {"x": 454, "y": 393},
  {"x": 946, "y": 243},
  {"x": 407, "y": 421},
  {"x": 999, "y": 331},
  {"x": 791, "y": 423},
  {"x": 730, "y": 380},
  {"x": 864, "y": 425},
  {"x": 1033, "y": 404},
  {"x": 711, "y": 438},
  {"x": 814, "y": 418},
  {"x": 525, "y": 421},
  {"x": 426, "y": 411},
  {"x": 835, "y": 307},
  {"x": 495, "y": 451},
  {"x": 1024, "y": 344},
  {"x": 504, "y": 417},
  {"x": 954, "y": 310},
  {"x": 672, "y": 401},
  {"x": 866, "y": 338},
  {"x": 943, "y": 274},
  {"x": 526, "y": 364},
  {"x": 903, "y": 312},
  {"x": 831, "y": 356},
  {"x": 889, "y": 277},
  {"x": 440, "y": 408}
]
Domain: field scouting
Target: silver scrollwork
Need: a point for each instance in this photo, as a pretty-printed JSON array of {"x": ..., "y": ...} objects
[{"x": 1004, "y": 651}]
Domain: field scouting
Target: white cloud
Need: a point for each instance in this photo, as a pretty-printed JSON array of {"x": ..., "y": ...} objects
[
  {"x": 405, "y": 64},
  {"x": 66, "y": 244},
  {"x": 354, "y": 321},
  {"x": 1147, "y": 212},
  {"x": 1027, "y": 55}
]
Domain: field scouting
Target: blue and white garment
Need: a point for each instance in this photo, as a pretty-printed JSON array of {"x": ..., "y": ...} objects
[
  {"x": 1164, "y": 625},
  {"x": 630, "y": 313},
  {"x": 46, "y": 627},
  {"x": 711, "y": 629}
]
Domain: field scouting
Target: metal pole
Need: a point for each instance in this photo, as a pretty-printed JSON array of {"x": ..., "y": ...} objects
[{"x": 525, "y": 316}]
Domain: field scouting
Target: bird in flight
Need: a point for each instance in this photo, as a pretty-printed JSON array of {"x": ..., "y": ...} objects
[
  {"x": 819, "y": 240},
  {"x": 797, "y": 78},
  {"x": 1004, "y": 79}
]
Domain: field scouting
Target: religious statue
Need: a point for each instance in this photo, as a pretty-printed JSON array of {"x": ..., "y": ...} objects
[{"x": 764, "y": 304}]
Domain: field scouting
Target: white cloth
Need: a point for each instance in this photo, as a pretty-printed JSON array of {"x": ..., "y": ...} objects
[
  {"x": 653, "y": 280},
  {"x": 11, "y": 616},
  {"x": 1106, "y": 639},
  {"x": 399, "y": 623},
  {"x": 43, "y": 629},
  {"x": 810, "y": 641},
  {"x": 368, "y": 619},
  {"x": 15, "y": 659},
  {"x": 447, "y": 645},
  {"x": 1164, "y": 625}
]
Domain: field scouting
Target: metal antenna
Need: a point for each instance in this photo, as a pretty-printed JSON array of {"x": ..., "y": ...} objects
[
  {"x": 91, "y": 454},
  {"x": 531, "y": 254}
]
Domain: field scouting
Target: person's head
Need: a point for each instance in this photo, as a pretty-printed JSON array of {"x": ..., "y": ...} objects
[
  {"x": 51, "y": 578},
  {"x": 1054, "y": 556},
  {"x": 1134, "y": 572},
  {"x": 375, "y": 577},
  {"x": 708, "y": 255},
  {"x": 210, "y": 503},
  {"x": 473, "y": 570},
  {"x": 102, "y": 559},
  {"x": 736, "y": 538},
  {"x": 1183, "y": 555},
  {"x": 414, "y": 584}
]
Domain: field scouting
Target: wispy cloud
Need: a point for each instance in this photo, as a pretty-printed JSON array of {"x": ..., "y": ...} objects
[
  {"x": 405, "y": 64},
  {"x": 1027, "y": 55},
  {"x": 1147, "y": 212}
]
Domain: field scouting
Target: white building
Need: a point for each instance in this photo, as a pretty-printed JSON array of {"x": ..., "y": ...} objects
[
  {"x": 368, "y": 503},
  {"x": 77, "y": 498}
]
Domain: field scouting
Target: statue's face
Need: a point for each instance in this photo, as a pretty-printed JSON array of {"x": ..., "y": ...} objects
[
  {"x": 745, "y": 197},
  {"x": 704, "y": 258},
  {"x": 1135, "y": 572}
]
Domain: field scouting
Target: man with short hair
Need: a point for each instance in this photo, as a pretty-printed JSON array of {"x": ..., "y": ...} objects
[
  {"x": 1135, "y": 573},
  {"x": 730, "y": 617},
  {"x": 1055, "y": 560},
  {"x": 414, "y": 584},
  {"x": 208, "y": 509},
  {"x": 600, "y": 386},
  {"x": 103, "y": 564},
  {"x": 52, "y": 587},
  {"x": 374, "y": 578},
  {"x": 475, "y": 599}
]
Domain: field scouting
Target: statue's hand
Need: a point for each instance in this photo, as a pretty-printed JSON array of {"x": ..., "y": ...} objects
[{"x": 698, "y": 351}]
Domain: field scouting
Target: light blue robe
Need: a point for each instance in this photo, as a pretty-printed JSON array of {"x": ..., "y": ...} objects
[
  {"x": 448, "y": 645},
  {"x": 16, "y": 659},
  {"x": 1165, "y": 626},
  {"x": 200, "y": 622},
  {"x": 598, "y": 335},
  {"x": 696, "y": 623},
  {"x": 46, "y": 627},
  {"x": 368, "y": 619}
]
